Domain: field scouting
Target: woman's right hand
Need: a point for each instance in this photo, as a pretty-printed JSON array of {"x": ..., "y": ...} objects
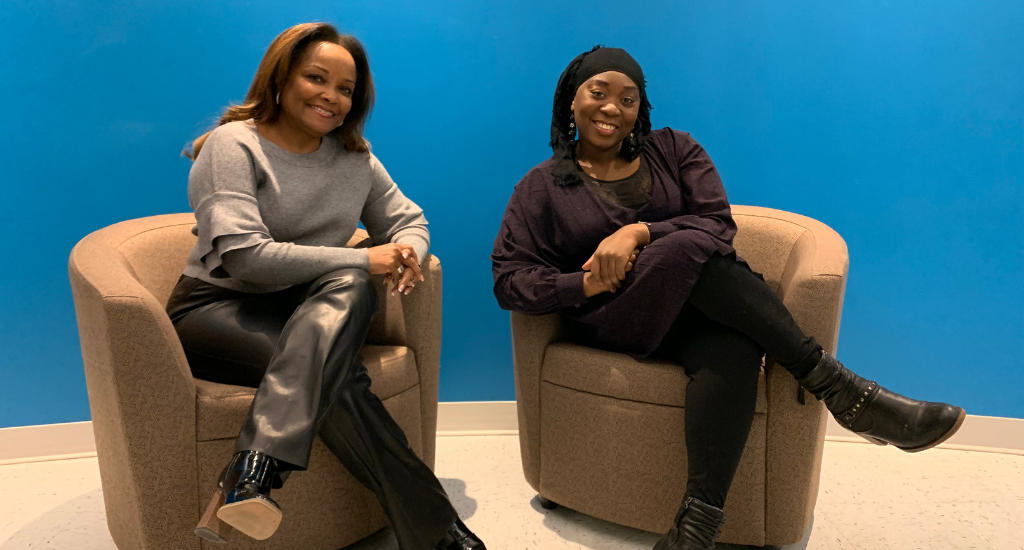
[
  {"x": 612, "y": 256},
  {"x": 386, "y": 259},
  {"x": 593, "y": 285}
]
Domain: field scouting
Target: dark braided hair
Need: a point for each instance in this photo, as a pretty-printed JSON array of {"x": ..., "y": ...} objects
[{"x": 563, "y": 138}]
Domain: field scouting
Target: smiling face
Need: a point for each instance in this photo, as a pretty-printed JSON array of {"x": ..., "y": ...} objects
[
  {"x": 319, "y": 92},
  {"x": 605, "y": 109}
]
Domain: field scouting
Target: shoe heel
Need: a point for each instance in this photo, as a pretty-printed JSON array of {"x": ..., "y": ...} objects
[
  {"x": 255, "y": 517},
  {"x": 874, "y": 440},
  {"x": 210, "y": 526}
]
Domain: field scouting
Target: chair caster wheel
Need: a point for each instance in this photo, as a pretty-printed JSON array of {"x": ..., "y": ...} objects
[{"x": 547, "y": 504}]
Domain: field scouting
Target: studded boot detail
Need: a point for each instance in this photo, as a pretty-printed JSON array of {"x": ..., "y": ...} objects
[{"x": 877, "y": 414}]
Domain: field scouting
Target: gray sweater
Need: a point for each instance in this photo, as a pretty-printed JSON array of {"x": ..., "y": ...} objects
[{"x": 268, "y": 219}]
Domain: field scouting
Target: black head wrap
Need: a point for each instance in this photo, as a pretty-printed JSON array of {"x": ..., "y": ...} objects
[{"x": 583, "y": 68}]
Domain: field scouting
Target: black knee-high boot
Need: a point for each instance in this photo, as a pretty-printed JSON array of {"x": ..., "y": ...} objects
[{"x": 877, "y": 414}]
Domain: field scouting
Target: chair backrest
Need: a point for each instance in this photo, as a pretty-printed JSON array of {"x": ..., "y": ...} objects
[
  {"x": 765, "y": 240},
  {"x": 135, "y": 257},
  {"x": 157, "y": 254}
]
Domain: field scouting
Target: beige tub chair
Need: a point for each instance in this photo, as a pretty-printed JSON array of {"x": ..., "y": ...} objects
[
  {"x": 602, "y": 433},
  {"x": 163, "y": 437}
]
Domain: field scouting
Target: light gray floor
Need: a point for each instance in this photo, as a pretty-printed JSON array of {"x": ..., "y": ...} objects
[{"x": 871, "y": 498}]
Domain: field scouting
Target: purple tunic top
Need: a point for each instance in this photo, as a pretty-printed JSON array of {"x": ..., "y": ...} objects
[{"x": 549, "y": 231}]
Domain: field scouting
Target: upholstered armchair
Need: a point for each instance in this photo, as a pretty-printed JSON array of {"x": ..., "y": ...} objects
[
  {"x": 162, "y": 437},
  {"x": 602, "y": 433}
]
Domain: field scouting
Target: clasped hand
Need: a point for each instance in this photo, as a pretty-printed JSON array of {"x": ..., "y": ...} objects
[
  {"x": 399, "y": 265},
  {"x": 614, "y": 257}
]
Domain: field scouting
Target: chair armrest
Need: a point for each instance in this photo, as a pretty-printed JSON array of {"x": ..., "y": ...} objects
[
  {"x": 142, "y": 401},
  {"x": 414, "y": 321},
  {"x": 812, "y": 288},
  {"x": 531, "y": 335}
]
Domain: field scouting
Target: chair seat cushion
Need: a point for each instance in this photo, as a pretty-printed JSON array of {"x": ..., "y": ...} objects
[
  {"x": 617, "y": 375},
  {"x": 221, "y": 408}
]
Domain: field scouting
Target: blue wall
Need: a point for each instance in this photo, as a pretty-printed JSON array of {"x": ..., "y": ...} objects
[{"x": 898, "y": 123}]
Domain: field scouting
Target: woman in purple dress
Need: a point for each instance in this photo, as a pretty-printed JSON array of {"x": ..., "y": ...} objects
[{"x": 627, "y": 233}]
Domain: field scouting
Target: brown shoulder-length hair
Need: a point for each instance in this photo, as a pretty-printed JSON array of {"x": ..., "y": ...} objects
[{"x": 277, "y": 66}]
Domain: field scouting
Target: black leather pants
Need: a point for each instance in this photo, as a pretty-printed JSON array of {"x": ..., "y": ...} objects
[{"x": 299, "y": 346}]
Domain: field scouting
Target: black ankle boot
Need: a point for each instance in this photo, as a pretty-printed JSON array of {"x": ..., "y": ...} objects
[
  {"x": 696, "y": 527},
  {"x": 877, "y": 414},
  {"x": 246, "y": 486},
  {"x": 459, "y": 537}
]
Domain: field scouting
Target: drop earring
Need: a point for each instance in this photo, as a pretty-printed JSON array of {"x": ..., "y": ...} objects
[
  {"x": 628, "y": 144},
  {"x": 572, "y": 125}
]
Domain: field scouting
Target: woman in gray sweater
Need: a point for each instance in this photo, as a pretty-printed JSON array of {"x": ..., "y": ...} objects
[{"x": 271, "y": 298}]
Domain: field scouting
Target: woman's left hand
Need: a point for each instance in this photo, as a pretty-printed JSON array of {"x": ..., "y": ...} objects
[{"x": 611, "y": 261}]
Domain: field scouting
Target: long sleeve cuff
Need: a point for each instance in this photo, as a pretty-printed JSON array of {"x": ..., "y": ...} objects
[
  {"x": 661, "y": 229},
  {"x": 419, "y": 243},
  {"x": 304, "y": 261},
  {"x": 273, "y": 263},
  {"x": 360, "y": 259},
  {"x": 569, "y": 288}
]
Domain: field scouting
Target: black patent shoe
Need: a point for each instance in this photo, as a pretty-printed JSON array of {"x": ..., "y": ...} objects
[
  {"x": 696, "y": 527},
  {"x": 243, "y": 501},
  {"x": 877, "y": 414},
  {"x": 459, "y": 537}
]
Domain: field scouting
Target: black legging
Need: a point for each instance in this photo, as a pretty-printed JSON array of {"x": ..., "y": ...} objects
[
  {"x": 299, "y": 346},
  {"x": 730, "y": 320}
]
